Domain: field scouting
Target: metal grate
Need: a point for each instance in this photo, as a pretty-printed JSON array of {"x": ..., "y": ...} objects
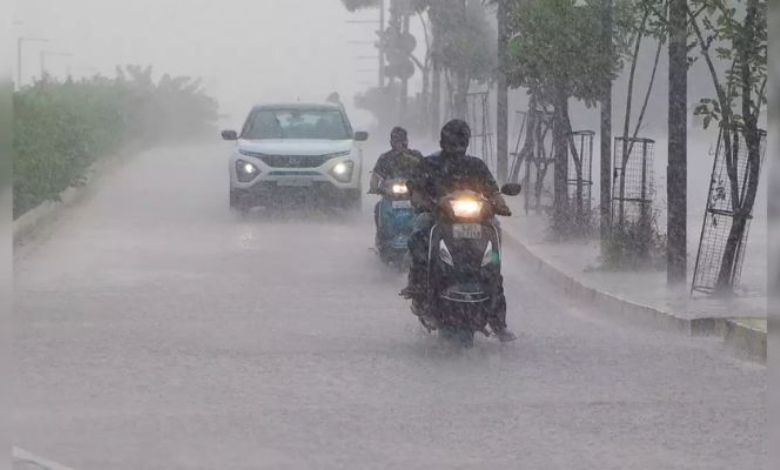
[
  {"x": 632, "y": 198},
  {"x": 534, "y": 151},
  {"x": 632, "y": 181},
  {"x": 719, "y": 219},
  {"x": 294, "y": 161},
  {"x": 580, "y": 167}
]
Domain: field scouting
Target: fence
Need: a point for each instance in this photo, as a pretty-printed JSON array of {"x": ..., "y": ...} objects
[
  {"x": 719, "y": 219},
  {"x": 632, "y": 194},
  {"x": 580, "y": 186}
]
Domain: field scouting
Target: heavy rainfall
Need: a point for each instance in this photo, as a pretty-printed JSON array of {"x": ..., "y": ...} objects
[{"x": 390, "y": 234}]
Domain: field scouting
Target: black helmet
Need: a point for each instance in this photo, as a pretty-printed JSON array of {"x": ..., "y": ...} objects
[
  {"x": 455, "y": 137},
  {"x": 398, "y": 133},
  {"x": 399, "y": 140}
]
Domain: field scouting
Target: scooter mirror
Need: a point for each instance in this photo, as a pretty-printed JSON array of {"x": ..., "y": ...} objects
[{"x": 511, "y": 189}]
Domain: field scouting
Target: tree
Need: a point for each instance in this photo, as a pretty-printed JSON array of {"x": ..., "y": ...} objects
[
  {"x": 736, "y": 38},
  {"x": 464, "y": 46},
  {"x": 677, "y": 169},
  {"x": 556, "y": 53},
  {"x": 355, "y": 5}
]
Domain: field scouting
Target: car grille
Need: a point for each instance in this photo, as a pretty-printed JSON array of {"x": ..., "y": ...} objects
[{"x": 294, "y": 161}]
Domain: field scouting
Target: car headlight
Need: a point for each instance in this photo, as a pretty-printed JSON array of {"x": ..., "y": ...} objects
[
  {"x": 400, "y": 188},
  {"x": 342, "y": 171},
  {"x": 466, "y": 208},
  {"x": 246, "y": 171}
]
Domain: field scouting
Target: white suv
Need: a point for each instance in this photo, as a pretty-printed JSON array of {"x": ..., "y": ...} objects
[{"x": 302, "y": 151}]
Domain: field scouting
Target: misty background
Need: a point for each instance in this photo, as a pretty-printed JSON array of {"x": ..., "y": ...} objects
[{"x": 303, "y": 50}]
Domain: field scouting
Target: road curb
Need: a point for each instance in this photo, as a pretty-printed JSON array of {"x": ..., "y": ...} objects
[
  {"x": 47, "y": 211},
  {"x": 738, "y": 336},
  {"x": 746, "y": 340}
]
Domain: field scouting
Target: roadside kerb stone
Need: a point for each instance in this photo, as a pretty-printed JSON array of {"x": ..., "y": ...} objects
[{"x": 738, "y": 335}]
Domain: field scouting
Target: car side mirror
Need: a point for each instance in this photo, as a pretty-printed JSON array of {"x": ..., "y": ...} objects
[
  {"x": 229, "y": 135},
  {"x": 511, "y": 189},
  {"x": 361, "y": 136}
]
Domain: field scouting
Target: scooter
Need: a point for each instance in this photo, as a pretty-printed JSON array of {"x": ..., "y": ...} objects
[
  {"x": 395, "y": 219},
  {"x": 464, "y": 266}
]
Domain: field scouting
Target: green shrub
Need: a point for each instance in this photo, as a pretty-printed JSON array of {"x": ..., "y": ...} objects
[{"x": 61, "y": 128}]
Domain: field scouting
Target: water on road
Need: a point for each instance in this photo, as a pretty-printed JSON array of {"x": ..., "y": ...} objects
[{"x": 155, "y": 330}]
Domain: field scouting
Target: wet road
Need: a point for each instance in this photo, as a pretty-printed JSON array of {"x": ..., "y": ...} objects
[{"x": 156, "y": 331}]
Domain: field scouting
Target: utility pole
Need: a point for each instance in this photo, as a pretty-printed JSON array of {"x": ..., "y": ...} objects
[
  {"x": 502, "y": 98},
  {"x": 404, "y": 103},
  {"x": 381, "y": 49},
  {"x": 605, "y": 180},
  {"x": 19, "y": 49},
  {"x": 435, "y": 103},
  {"x": 677, "y": 167}
]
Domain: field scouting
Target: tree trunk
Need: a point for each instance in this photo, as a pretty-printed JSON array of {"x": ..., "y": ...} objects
[
  {"x": 527, "y": 152},
  {"x": 502, "y": 99},
  {"x": 677, "y": 168},
  {"x": 561, "y": 154},
  {"x": 460, "y": 105},
  {"x": 605, "y": 177},
  {"x": 435, "y": 102}
]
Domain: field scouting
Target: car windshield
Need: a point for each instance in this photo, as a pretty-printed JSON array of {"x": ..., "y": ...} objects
[{"x": 296, "y": 124}]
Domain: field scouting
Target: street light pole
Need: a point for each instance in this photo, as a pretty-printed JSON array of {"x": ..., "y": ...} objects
[
  {"x": 381, "y": 49},
  {"x": 50, "y": 53},
  {"x": 19, "y": 43}
]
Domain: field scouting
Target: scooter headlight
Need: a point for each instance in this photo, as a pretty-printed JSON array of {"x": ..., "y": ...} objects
[
  {"x": 466, "y": 208},
  {"x": 400, "y": 188},
  {"x": 444, "y": 254}
]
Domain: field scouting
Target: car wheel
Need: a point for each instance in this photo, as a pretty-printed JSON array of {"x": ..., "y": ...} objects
[
  {"x": 353, "y": 200},
  {"x": 237, "y": 203}
]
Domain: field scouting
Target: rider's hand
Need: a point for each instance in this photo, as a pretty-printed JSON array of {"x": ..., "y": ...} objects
[
  {"x": 500, "y": 207},
  {"x": 503, "y": 211}
]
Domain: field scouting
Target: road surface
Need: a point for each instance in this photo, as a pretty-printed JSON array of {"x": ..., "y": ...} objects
[{"x": 154, "y": 330}]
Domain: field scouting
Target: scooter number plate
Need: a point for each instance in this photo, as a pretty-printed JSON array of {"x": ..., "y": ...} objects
[
  {"x": 402, "y": 204},
  {"x": 467, "y": 231}
]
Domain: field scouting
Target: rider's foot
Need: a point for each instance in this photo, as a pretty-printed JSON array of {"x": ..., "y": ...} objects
[
  {"x": 505, "y": 335},
  {"x": 412, "y": 292}
]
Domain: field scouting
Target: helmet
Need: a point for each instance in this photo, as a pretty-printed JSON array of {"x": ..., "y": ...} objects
[
  {"x": 399, "y": 137},
  {"x": 455, "y": 137}
]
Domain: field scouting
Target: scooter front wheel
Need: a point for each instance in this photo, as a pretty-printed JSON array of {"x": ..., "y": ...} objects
[{"x": 458, "y": 335}]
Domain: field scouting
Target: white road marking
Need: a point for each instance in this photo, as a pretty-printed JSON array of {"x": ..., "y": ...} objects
[{"x": 21, "y": 454}]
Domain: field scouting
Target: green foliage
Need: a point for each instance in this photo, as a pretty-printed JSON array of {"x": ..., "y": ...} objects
[
  {"x": 465, "y": 39},
  {"x": 724, "y": 35},
  {"x": 636, "y": 245},
  {"x": 61, "y": 128},
  {"x": 355, "y": 5},
  {"x": 558, "y": 47}
]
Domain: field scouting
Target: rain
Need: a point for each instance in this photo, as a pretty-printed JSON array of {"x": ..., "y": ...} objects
[{"x": 387, "y": 234}]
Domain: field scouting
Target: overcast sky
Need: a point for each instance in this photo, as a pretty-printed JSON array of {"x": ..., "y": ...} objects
[{"x": 248, "y": 51}]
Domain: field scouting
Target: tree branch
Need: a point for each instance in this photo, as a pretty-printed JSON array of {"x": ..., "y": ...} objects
[{"x": 647, "y": 95}]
